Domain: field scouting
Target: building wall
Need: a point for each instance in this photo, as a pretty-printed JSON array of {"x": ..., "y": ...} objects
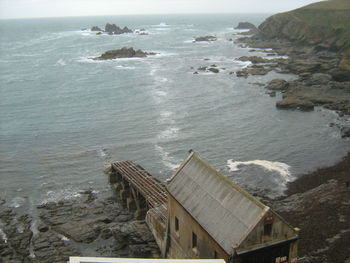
[
  {"x": 277, "y": 232},
  {"x": 180, "y": 242}
]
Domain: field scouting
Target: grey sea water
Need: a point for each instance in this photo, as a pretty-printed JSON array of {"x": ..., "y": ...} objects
[{"x": 64, "y": 117}]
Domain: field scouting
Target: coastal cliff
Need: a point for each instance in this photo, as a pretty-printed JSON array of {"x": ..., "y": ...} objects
[{"x": 324, "y": 25}]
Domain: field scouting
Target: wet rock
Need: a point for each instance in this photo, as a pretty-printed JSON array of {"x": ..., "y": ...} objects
[
  {"x": 345, "y": 131},
  {"x": 214, "y": 70},
  {"x": 253, "y": 59},
  {"x": 125, "y": 52},
  {"x": 96, "y": 28},
  {"x": 295, "y": 103},
  {"x": 205, "y": 38},
  {"x": 277, "y": 84},
  {"x": 319, "y": 79},
  {"x": 116, "y": 30}
]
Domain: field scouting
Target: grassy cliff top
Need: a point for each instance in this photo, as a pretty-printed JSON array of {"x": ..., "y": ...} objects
[{"x": 325, "y": 22}]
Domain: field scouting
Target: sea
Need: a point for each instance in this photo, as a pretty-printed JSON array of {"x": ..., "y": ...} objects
[{"x": 65, "y": 117}]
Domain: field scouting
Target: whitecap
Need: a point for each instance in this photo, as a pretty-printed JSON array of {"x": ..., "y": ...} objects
[{"x": 167, "y": 160}]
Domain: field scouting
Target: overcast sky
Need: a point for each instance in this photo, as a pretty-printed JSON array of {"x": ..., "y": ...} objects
[{"x": 58, "y": 8}]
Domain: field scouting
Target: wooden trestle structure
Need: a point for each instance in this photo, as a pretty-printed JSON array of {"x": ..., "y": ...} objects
[{"x": 139, "y": 189}]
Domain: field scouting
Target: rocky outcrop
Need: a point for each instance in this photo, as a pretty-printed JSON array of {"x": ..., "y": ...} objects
[
  {"x": 277, "y": 84},
  {"x": 318, "y": 203},
  {"x": 96, "y": 28},
  {"x": 295, "y": 103},
  {"x": 86, "y": 226},
  {"x": 245, "y": 25},
  {"x": 205, "y": 38},
  {"x": 125, "y": 52},
  {"x": 323, "y": 25},
  {"x": 113, "y": 29}
]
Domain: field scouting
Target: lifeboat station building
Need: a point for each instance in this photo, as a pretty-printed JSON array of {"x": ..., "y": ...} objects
[{"x": 211, "y": 217}]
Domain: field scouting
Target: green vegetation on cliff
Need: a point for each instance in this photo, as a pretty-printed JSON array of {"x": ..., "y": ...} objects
[{"x": 324, "y": 24}]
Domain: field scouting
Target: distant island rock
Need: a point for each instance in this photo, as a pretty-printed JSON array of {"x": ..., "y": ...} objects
[
  {"x": 245, "y": 25},
  {"x": 125, "y": 52},
  {"x": 205, "y": 38},
  {"x": 96, "y": 28},
  {"x": 112, "y": 29}
]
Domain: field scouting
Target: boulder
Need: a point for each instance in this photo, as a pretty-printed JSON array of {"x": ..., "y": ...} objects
[
  {"x": 319, "y": 79},
  {"x": 245, "y": 25},
  {"x": 277, "y": 84},
  {"x": 205, "y": 38},
  {"x": 214, "y": 70}
]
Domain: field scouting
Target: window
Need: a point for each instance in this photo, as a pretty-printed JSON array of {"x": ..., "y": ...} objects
[
  {"x": 176, "y": 224},
  {"x": 215, "y": 254},
  {"x": 194, "y": 240},
  {"x": 268, "y": 229}
]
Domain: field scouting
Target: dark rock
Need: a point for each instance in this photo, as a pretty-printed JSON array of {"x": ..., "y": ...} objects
[
  {"x": 319, "y": 79},
  {"x": 96, "y": 28},
  {"x": 125, "y": 52},
  {"x": 214, "y": 70},
  {"x": 205, "y": 38},
  {"x": 195, "y": 73},
  {"x": 116, "y": 30},
  {"x": 345, "y": 131},
  {"x": 99, "y": 33},
  {"x": 272, "y": 93},
  {"x": 245, "y": 25},
  {"x": 277, "y": 84}
]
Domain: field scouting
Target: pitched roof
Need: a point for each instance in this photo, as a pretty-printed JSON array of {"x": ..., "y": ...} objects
[{"x": 226, "y": 211}]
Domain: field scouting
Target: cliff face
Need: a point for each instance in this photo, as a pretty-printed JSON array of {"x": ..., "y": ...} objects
[{"x": 325, "y": 25}]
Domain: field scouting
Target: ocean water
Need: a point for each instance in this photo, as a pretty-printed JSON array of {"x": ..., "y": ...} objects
[{"x": 64, "y": 117}]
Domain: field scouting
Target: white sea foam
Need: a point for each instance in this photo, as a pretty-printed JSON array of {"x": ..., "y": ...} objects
[
  {"x": 279, "y": 167},
  {"x": 167, "y": 160},
  {"x": 169, "y": 133},
  {"x": 165, "y": 117},
  {"x": 64, "y": 194}
]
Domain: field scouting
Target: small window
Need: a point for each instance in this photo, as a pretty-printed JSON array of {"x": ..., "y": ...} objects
[
  {"x": 268, "y": 229},
  {"x": 215, "y": 254},
  {"x": 176, "y": 224},
  {"x": 194, "y": 240}
]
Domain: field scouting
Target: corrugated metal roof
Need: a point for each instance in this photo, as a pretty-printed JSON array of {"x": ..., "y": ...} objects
[{"x": 226, "y": 211}]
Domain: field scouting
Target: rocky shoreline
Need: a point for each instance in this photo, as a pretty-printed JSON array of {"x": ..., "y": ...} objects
[
  {"x": 87, "y": 226},
  {"x": 320, "y": 81}
]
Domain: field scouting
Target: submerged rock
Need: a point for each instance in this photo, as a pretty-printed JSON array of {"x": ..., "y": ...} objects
[{"x": 205, "y": 38}]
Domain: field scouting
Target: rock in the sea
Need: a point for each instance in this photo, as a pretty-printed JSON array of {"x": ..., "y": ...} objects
[
  {"x": 116, "y": 30},
  {"x": 253, "y": 59},
  {"x": 277, "y": 84},
  {"x": 345, "y": 131},
  {"x": 214, "y": 70},
  {"x": 295, "y": 103},
  {"x": 245, "y": 25},
  {"x": 96, "y": 28},
  {"x": 125, "y": 52},
  {"x": 205, "y": 38}
]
